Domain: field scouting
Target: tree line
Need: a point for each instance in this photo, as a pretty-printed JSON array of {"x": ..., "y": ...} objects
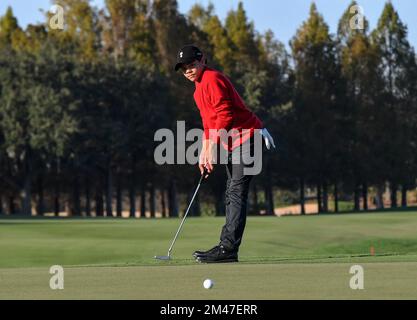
[{"x": 79, "y": 108}]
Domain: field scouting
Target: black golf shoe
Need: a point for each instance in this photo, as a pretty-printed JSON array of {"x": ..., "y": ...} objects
[
  {"x": 220, "y": 255},
  {"x": 197, "y": 253}
]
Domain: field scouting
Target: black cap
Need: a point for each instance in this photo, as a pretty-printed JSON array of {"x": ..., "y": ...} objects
[{"x": 188, "y": 54}]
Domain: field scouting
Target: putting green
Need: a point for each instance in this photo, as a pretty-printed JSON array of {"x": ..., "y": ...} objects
[
  {"x": 280, "y": 258},
  {"x": 232, "y": 281}
]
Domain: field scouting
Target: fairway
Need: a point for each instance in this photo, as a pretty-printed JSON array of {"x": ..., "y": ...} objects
[{"x": 280, "y": 258}]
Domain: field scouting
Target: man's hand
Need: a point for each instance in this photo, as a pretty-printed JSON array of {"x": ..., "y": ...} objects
[{"x": 207, "y": 157}]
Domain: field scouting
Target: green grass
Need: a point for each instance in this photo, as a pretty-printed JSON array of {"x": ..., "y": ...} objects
[{"x": 281, "y": 258}]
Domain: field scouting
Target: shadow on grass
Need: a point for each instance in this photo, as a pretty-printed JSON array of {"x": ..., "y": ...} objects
[{"x": 245, "y": 261}]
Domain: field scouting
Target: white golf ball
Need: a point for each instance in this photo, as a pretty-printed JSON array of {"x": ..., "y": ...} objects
[{"x": 208, "y": 283}]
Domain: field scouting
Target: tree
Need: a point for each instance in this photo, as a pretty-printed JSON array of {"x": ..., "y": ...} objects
[
  {"x": 359, "y": 59},
  {"x": 397, "y": 67},
  {"x": 242, "y": 34},
  {"x": 171, "y": 32},
  {"x": 222, "y": 46},
  {"x": 36, "y": 115},
  {"x": 80, "y": 29},
  {"x": 8, "y": 27},
  {"x": 316, "y": 103}
]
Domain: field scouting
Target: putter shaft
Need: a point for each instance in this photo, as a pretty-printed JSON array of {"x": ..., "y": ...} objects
[{"x": 168, "y": 257}]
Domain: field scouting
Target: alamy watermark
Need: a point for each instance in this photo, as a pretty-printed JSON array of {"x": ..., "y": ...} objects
[
  {"x": 357, "y": 21},
  {"x": 57, "y": 280},
  {"x": 172, "y": 149},
  {"x": 357, "y": 281},
  {"x": 56, "y": 21}
]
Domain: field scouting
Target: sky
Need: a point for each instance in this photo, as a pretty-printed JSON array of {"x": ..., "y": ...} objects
[{"x": 283, "y": 17}]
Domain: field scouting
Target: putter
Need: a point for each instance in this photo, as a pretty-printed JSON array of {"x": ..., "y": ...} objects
[{"x": 168, "y": 257}]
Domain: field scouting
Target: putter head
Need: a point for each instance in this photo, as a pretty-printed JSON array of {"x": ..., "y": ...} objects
[{"x": 163, "y": 258}]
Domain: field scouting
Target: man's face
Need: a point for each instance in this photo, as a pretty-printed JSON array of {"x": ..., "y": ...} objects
[{"x": 193, "y": 70}]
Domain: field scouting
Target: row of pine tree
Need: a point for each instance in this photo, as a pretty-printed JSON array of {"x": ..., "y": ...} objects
[{"x": 79, "y": 108}]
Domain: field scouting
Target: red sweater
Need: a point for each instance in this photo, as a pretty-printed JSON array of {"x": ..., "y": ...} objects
[{"x": 221, "y": 107}]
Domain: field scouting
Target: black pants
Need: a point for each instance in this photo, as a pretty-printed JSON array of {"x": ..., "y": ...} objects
[{"x": 237, "y": 189}]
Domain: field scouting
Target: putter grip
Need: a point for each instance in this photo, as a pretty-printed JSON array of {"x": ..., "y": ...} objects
[{"x": 203, "y": 175}]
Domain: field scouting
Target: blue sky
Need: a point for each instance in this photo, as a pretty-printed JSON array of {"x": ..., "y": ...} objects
[{"x": 283, "y": 17}]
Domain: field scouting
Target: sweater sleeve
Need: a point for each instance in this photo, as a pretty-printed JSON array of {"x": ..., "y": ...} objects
[
  {"x": 205, "y": 126},
  {"x": 221, "y": 101}
]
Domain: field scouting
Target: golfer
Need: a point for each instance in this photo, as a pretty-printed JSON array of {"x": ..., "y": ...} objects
[{"x": 221, "y": 107}]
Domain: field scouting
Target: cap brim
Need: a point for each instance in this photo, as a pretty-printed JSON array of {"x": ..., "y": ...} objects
[
  {"x": 187, "y": 61},
  {"x": 177, "y": 66}
]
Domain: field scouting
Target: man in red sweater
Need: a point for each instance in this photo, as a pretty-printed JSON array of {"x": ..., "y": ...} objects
[{"x": 221, "y": 108}]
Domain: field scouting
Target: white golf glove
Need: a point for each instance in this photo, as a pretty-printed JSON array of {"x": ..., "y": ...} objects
[{"x": 269, "y": 141}]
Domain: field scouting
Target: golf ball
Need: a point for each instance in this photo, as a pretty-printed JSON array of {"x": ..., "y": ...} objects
[{"x": 208, "y": 284}]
